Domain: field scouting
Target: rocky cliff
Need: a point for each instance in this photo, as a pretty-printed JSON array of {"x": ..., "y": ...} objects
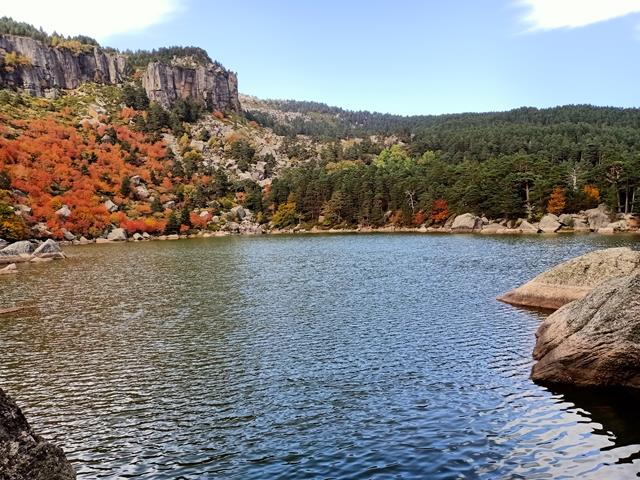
[
  {"x": 25, "y": 455},
  {"x": 51, "y": 68},
  {"x": 40, "y": 69},
  {"x": 211, "y": 85}
]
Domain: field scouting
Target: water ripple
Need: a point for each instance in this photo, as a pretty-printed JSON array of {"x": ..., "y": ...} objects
[{"x": 365, "y": 356}]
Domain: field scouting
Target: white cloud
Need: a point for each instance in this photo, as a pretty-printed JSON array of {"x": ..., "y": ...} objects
[
  {"x": 98, "y": 19},
  {"x": 553, "y": 14}
]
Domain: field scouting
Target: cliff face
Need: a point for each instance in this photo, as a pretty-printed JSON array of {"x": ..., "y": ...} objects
[
  {"x": 56, "y": 67},
  {"x": 51, "y": 68},
  {"x": 210, "y": 85}
]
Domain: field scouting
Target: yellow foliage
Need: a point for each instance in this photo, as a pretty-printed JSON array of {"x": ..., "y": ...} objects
[{"x": 13, "y": 60}]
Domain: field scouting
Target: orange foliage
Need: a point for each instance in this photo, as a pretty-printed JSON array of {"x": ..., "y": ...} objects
[
  {"x": 592, "y": 193},
  {"x": 218, "y": 114},
  {"x": 197, "y": 221},
  {"x": 440, "y": 210},
  {"x": 57, "y": 164},
  {"x": 418, "y": 218},
  {"x": 127, "y": 113},
  {"x": 557, "y": 201}
]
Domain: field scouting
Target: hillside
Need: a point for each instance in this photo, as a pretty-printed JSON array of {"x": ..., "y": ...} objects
[{"x": 160, "y": 142}]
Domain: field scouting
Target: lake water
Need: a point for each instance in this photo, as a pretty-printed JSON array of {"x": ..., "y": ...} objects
[{"x": 344, "y": 356}]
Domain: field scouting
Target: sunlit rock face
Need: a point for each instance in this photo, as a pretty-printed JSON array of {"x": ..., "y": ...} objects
[
  {"x": 595, "y": 341},
  {"x": 210, "y": 85},
  {"x": 57, "y": 68}
]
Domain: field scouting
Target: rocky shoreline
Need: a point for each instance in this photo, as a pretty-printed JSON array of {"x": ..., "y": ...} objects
[
  {"x": 240, "y": 222},
  {"x": 591, "y": 340}
]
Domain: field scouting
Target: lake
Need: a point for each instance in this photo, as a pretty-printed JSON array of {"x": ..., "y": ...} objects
[{"x": 318, "y": 356}]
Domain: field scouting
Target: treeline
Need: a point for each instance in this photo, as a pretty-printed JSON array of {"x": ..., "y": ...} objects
[
  {"x": 505, "y": 164},
  {"x": 136, "y": 59},
  {"x": 325, "y": 122},
  {"x": 141, "y": 58},
  {"x": 8, "y": 26},
  {"x": 396, "y": 188}
]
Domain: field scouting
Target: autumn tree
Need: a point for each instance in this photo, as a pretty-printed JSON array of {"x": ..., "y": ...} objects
[
  {"x": 557, "y": 201},
  {"x": 439, "y": 210}
]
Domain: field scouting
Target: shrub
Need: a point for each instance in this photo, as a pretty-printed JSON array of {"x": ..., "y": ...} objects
[
  {"x": 12, "y": 226},
  {"x": 285, "y": 216}
]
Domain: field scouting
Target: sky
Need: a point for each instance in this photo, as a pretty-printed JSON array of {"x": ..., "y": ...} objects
[{"x": 402, "y": 56}]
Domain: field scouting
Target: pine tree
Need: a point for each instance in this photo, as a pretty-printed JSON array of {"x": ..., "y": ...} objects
[{"x": 173, "y": 224}]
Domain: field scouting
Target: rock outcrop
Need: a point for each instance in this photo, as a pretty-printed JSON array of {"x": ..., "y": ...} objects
[
  {"x": 549, "y": 224},
  {"x": 598, "y": 217},
  {"x": 117, "y": 235},
  {"x": 49, "y": 68},
  {"x": 211, "y": 85},
  {"x": 575, "y": 278},
  {"x": 57, "y": 68},
  {"x": 25, "y": 455},
  {"x": 467, "y": 222},
  {"x": 595, "y": 341}
]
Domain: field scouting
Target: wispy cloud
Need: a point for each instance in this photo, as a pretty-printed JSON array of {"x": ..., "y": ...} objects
[
  {"x": 99, "y": 19},
  {"x": 554, "y": 14}
]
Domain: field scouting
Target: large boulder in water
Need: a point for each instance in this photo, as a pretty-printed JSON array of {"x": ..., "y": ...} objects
[
  {"x": 549, "y": 223},
  {"x": 595, "y": 341},
  {"x": 18, "y": 248},
  {"x": 48, "y": 247},
  {"x": 574, "y": 278},
  {"x": 598, "y": 217},
  {"x": 25, "y": 455}
]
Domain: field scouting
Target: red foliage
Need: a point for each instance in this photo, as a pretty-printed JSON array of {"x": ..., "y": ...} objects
[
  {"x": 55, "y": 164},
  {"x": 440, "y": 210}
]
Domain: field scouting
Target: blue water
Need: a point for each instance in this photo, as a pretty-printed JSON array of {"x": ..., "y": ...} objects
[{"x": 345, "y": 356}]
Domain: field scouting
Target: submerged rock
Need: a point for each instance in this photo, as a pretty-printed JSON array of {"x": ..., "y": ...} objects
[
  {"x": 25, "y": 455},
  {"x": 9, "y": 269},
  {"x": 574, "y": 278},
  {"x": 595, "y": 341}
]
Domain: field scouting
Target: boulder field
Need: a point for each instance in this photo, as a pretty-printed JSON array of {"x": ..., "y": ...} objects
[{"x": 599, "y": 220}]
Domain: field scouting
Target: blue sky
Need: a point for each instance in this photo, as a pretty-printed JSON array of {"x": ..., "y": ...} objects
[{"x": 406, "y": 57}]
